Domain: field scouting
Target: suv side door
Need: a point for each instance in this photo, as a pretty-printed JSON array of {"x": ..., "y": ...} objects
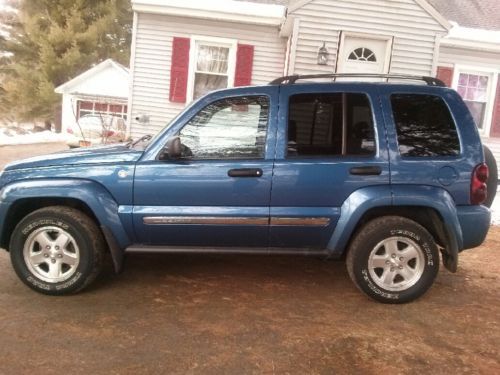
[
  {"x": 331, "y": 142},
  {"x": 218, "y": 192}
]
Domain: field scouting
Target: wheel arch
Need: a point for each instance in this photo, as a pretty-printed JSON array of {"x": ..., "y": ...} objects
[
  {"x": 24, "y": 206},
  {"x": 431, "y": 207},
  {"x": 88, "y": 196}
]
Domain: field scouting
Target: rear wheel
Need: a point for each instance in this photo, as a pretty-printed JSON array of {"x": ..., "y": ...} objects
[
  {"x": 393, "y": 259},
  {"x": 57, "y": 250}
]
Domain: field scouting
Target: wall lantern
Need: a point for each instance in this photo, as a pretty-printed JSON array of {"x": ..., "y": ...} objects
[{"x": 323, "y": 55}]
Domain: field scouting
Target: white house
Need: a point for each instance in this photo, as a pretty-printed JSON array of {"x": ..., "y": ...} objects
[
  {"x": 181, "y": 49},
  {"x": 469, "y": 60},
  {"x": 103, "y": 89}
]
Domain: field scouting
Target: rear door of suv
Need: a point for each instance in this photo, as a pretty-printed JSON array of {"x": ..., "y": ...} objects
[{"x": 331, "y": 142}]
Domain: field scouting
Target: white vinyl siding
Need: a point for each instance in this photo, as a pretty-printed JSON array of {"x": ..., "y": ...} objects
[
  {"x": 414, "y": 31},
  {"x": 449, "y": 56},
  {"x": 152, "y": 60}
]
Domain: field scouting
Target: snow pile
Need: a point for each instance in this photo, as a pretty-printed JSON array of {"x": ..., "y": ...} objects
[
  {"x": 10, "y": 136},
  {"x": 495, "y": 210}
]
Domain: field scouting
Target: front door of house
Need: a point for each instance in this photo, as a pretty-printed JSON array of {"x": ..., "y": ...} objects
[{"x": 364, "y": 55}]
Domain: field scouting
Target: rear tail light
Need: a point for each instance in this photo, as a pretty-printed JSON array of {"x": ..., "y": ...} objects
[{"x": 478, "y": 188}]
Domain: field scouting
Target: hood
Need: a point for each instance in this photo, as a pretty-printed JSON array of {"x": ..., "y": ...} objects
[{"x": 92, "y": 155}]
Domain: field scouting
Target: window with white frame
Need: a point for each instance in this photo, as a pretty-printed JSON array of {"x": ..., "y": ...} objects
[
  {"x": 85, "y": 108},
  {"x": 212, "y": 65},
  {"x": 474, "y": 88}
]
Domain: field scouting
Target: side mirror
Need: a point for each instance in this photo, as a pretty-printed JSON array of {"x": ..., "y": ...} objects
[{"x": 173, "y": 148}]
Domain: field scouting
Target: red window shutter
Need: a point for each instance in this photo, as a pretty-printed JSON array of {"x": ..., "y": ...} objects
[
  {"x": 445, "y": 74},
  {"x": 495, "y": 125},
  {"x": 179, "y": 70},
  {"x": 244, "y": 65}
]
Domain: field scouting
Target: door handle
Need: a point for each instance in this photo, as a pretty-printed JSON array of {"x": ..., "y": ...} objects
[
  {"x": 245, "y": 172},
  {"x": 366, "y": 171}
]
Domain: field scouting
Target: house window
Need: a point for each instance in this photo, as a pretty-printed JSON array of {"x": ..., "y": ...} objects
[
  {"x": 85, "y": 108},
  {"x": 363, "y": 54},
  {"x": 473, "y": 88},
  {"x": 212, "y": 67}
]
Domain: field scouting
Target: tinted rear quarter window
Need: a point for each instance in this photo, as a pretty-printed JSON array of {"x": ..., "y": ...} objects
[{"x": 424, "y": 125}]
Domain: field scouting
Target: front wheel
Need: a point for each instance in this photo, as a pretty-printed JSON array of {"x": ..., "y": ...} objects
[
  {"x": 393, "y": 259},
  {"x": 57, "y": 250}
]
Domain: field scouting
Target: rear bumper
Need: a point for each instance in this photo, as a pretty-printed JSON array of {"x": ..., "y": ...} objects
[{"x": 475, "y": 223}]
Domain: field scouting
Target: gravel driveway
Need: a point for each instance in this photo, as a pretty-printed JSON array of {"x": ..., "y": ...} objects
[{"x": 243, "y": 314}]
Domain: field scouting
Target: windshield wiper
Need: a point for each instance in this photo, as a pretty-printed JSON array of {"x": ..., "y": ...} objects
[{"x": 144, "y": 138}]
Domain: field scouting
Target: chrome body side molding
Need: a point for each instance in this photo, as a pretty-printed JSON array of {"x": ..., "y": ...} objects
[{"x": 233, "y": 220}]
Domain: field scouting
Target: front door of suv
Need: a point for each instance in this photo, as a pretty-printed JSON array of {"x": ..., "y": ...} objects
[
  {"x": 331, "y": 142},
  {"x": 218, "y": 192}
]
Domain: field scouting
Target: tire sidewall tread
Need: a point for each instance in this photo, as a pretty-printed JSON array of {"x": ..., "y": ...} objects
[
  {"x": 85, "y": 232},
  {"x": 492, "y": 182},
  {"x": 373, "y": 233}
]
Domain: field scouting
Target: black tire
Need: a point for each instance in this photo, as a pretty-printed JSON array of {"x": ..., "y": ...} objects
[
  {"x": 33, "y": 262},
  {"x": 492, "y": 183},
  {"x": 367, "y": 250}
]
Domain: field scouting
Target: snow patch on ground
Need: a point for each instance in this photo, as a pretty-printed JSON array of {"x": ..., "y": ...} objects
[
  {"x": 9, "y": 136},
  {"x": 495, "y": 210}
]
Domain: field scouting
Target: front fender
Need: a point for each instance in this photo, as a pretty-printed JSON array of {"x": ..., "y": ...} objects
[{"x": 92, "y": 194}]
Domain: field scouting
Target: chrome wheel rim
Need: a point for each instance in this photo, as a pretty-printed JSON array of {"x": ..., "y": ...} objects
[
  {"x": 51, "y": 254},
  {"x": 396, "y": 263}
]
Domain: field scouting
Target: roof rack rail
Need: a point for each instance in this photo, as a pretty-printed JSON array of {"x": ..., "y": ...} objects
[{"x": 430, "y": 81}]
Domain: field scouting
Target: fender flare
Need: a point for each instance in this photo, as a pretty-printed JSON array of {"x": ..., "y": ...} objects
[
  {"x": 351, "y": 212},
  {"x": 362, "y": 200},
  {"x": 92, "y": 194},
  {"x": 442, "y": 202}
]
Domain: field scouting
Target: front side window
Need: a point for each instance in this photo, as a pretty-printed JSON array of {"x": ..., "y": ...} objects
[
  {"x": 211, "y": 67},
  {"x": 424, "y": 125},
  {"x": 330, "y": 124},
  {"x": 232, "y": 128}
]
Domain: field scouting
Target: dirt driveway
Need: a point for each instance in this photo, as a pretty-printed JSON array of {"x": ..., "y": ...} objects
[{"x": 238, "y": 315}]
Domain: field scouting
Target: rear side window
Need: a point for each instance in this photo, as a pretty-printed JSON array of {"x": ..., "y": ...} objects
[
  {"x": 424, "y": 126},
  {"x": 331, "y": 124}
]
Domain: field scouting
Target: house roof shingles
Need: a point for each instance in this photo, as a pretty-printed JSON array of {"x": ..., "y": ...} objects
[{"x": 476, "y": 14}]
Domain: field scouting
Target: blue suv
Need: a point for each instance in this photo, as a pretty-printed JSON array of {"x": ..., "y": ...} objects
[{"x": 387, "y": 176}]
